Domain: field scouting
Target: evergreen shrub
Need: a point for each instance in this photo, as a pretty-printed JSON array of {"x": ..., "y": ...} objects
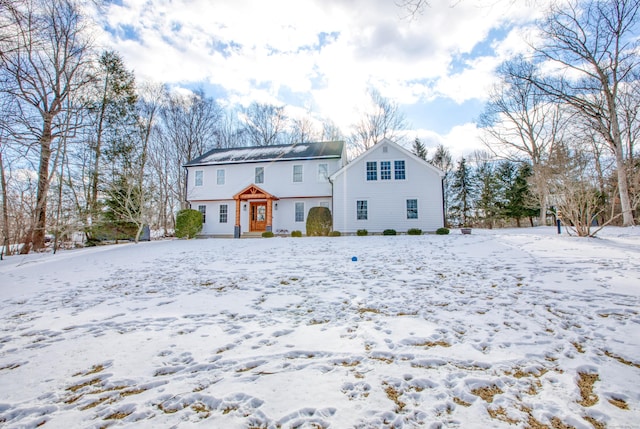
[
  {"x": 268, "y": 234},
  {"x": 188, "y": 223},
  {"x": 362, "y": 232},
  {"x": 414, "y": 231},
  {"x": 389, "y": 232},
  {"x": 296, "y": 233},
  {"x": 319, "y": 221},
  {"x": 442, "y": 231},
  {"x": 334, "y": 234}
]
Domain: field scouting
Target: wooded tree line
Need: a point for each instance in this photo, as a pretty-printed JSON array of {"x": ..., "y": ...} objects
[{"x": 85, "y": 147}]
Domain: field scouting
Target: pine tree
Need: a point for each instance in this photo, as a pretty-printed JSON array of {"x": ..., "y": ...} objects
[
  {"x": 462, "y": 189},
  {"x": 486, "y": 205},
  {"x": 419, "y": 150}
]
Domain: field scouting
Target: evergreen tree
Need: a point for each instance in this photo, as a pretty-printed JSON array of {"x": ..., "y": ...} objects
[
  {"x": 517, "y": 199},
  {"x": 442, "y": 159},
  {"x": 487, "y": 206},
  {"x": 419, "y": 150},
  {"x": 462, "y": 190}
]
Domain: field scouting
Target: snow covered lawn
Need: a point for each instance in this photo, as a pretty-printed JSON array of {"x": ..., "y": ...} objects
[{"x": 505, "y": 328}]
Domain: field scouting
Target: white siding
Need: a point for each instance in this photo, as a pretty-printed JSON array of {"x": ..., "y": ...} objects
[
  {"x": 387, "y": 199},
  {"x": 278, "y": 181}
]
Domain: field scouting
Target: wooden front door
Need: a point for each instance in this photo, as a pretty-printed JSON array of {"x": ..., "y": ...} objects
[{"x": 258, "y": 220}]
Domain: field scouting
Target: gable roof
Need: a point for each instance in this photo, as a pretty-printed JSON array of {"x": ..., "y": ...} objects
[
  {"x": 299, "y": 151},
  {"x": 383, "y": 142}
]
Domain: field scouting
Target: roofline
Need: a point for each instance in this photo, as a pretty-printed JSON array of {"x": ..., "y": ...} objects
[
  {"x": 396, "y": 145},
  {"x": 257, "y": 161}
]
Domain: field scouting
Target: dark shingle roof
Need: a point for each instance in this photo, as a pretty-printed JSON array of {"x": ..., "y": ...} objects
[{"x": 297, "y": 151}]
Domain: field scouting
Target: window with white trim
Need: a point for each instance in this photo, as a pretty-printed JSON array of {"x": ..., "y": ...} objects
[
  {"x": 372, "y": 170},
  {"x": 385, "y": 170},
  {"x": 299, "y": 212},
  {"x": 297, "y": 173},
  {"x": 323, "y": 172},
  {"x": 199, "y": 177},
  {"x": 220, "y": 177},
  {"x": 412, "y": 209},
  {"x": 259, "y": 175},
  {"x": 399, "y": 170},
  {"x": 361, "y": 210},
  {"x": 203, "y": 210},
  {"x": 224, "y": 211}
]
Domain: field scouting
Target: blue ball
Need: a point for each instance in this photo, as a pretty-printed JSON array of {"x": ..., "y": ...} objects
[{"x": 354, "y": 259}]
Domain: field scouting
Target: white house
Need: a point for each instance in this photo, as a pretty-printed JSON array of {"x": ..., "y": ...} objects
[
  {"x": 387, "y": 187},
  {"x": 272, "y": 188}
]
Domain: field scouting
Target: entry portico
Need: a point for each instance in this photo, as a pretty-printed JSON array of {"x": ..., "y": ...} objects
[{"x": 260, "y": 209}]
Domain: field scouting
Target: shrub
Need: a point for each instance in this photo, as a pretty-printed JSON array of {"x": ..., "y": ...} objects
[
  {"x": 319, "y": 221},
  {"x": 414, "y": 231},
  {"x": 334, "y": 234},
  {"x": 362, "y": 232},
  {"x": 296, "y": 233},
  {"x": 442, "y": 231},
  {"x": 267, "y": 234},
  {"x": 389, "y": 232},
  {"x": 188, "y": 223}
]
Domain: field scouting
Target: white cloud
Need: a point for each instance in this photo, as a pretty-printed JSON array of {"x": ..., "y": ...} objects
[{"x": 260, "y": 50}]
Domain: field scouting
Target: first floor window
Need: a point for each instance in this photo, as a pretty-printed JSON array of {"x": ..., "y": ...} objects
[
  {"x": 361, "y": 209},
  {"x": 412, "y": 209},
  {"x": 399, "y": 170},
  {"x": 297, "y": 173},
  {"x": 224, "y": 209},
  {"x": 259, "y": 175},
  {"x": 299, "y": 212},
  {"x": 324, "y": 204},
  {"x": 199, "y": 175},
  {"x": 372, "y": 170},
  {"x": 203, "y": 210},
  {"x": 220, "y": 177}
]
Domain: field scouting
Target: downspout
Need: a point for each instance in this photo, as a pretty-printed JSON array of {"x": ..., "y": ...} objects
[
  {"x": 444, "y": 211},
  {"x": 186, "y": 188}
]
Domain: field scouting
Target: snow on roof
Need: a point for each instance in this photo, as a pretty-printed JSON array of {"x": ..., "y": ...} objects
[{"x": 270, "y": 153}]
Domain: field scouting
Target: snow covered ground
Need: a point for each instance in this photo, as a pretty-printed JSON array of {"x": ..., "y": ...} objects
[{"x": 504, "y": 328}]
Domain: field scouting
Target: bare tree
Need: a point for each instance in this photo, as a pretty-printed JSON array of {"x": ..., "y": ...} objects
[
  {"x": 44, "y": 69},
  {"x": 383, "y": 120},
  {"x": 265, "y": 124},
  {"x": 303, "y": 130},
  {"x": 519, "y": 120},
  {"x": 594, "y": 48},
  {"x": 229, "y": 132}
]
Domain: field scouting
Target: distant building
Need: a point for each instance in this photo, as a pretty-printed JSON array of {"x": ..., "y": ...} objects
[{"x": 272, "y": 188}]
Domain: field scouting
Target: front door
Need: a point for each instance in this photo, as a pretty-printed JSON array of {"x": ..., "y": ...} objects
[{"x": 258, "y": 221}]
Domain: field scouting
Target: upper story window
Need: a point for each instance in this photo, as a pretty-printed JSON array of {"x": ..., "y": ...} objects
[
  {"x": 372, "y": 170},
  {"x": 399, "y": 170},
  {"x": 220, "y": 177},
  {"x": 323, "y": 172},
  {"x": 385, "y": 170},
  {"x": 412, "y": 209},
  {"x": 297, "y": 173},
  {"x": 203, "y": 210},
  {"x": 259, "y": 175},
  {"x": 199, "y": 176}
]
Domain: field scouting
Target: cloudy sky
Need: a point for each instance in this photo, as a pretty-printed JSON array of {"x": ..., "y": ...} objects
[{"x": 322, "y": 55}]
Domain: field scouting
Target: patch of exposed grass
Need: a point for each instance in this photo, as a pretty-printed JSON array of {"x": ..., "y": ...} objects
[
  {"x": 585, "y": 384},
  {"x": 487, "y": 392},
  {"x": 461, "y": 402},
  {"x": 501, "y": 414},
  {"x": 429, "y": 344},
  {"x": 578, "y": 347},
  {"x": 361, "y": 311},
  {"x": 79, "y": 386},
  {"x": 618, "y": 402},
  {"x": 595, "y": 423},
  {"x": 118, "y": 415},
  {"x": 621, "y": 359},
  {"x": 394, "y": 395}
]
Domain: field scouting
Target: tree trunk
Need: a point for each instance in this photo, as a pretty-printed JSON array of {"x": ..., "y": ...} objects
[
  {"x": 5, "y": 212},
  {"x": 40, "y": 225}
]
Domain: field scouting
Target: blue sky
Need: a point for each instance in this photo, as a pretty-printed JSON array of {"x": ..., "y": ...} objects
[{"x": 319, "y": 57}]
